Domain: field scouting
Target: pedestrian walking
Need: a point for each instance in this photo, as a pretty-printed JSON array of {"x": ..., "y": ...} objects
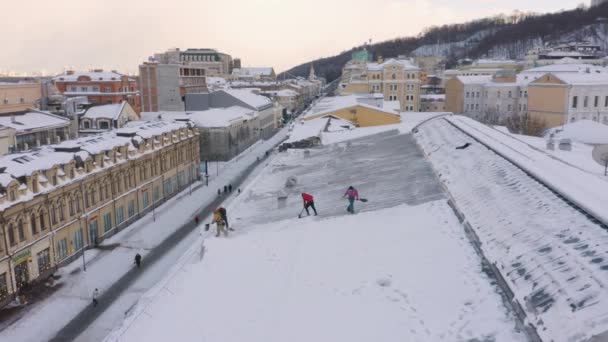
[
  {"x": 225, "y": 189},
  {"x": 239, "y": 190},
  {"x": 94, "y": 296},
  {"x": 219, "y": 192},
  {"x": 309, "y": 202},
  {"x": 137, "y": 260},
  {"x": 352, "y": 195},
  {"x": 197, "y": 220},
  {"x": 230, "y": 188},
  {"x": 219, "y": 222}
]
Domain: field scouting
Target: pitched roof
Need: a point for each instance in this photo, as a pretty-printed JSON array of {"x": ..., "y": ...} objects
[
  {"x": 31, "y": 121},
  {"x": 249, "y": 97},
  {"x": 211, "y": 118},
  {"x": 98, "y": 76},
  {"x": 108, "y": 111}
]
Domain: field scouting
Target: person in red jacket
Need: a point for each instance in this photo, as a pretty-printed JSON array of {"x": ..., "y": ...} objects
[{"x": 309, "y": 202}]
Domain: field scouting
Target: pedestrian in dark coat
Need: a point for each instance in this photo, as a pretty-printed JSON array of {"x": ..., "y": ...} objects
[
  {"x": 230, "y": 188},
  {"x": 225, "y": 188},
  {"x": 224, "y": 214},
  {"x": 137, "y": 260}
]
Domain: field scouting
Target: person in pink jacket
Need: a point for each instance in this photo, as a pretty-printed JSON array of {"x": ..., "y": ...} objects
[{"x": 352, "y": 195}]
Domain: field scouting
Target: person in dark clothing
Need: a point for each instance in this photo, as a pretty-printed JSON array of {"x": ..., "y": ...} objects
[
  {"x": 230, "y": 188},
  {"x": 222, "y": 211},
  {"x": 219, "y": 192},
  {"x": 137, "y": 260},
  {"x": 309, "y": 202},
  {"x": 94, "y": 296},
  {"x": 239, "y": 190},
  {"x": 197, "y": 220},
  {"x": 225, "y": 189}
]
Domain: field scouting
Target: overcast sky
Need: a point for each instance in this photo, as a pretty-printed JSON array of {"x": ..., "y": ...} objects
[{"x": 119, "y": 34}]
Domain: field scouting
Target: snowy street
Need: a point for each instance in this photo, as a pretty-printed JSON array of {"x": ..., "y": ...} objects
[{"x": 379, "y": 275}]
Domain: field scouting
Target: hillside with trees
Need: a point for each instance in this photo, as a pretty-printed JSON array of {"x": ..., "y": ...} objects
[{"x": 502, "y": 36}]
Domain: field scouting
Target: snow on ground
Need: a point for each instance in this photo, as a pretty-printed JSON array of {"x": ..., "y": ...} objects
[
  {"x": 44, "y": 319},
  {"x": 393, "y": 272},
  {"x": 552, "y": 256}
]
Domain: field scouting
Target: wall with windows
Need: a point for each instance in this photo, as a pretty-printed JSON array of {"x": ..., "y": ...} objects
[{"x": 87, "y": 202}]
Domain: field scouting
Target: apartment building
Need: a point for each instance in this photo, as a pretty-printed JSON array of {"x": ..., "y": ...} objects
[
  {"x": 568, "y": 97},
  {"x": 19, "y": 96},
  {"x": 223, "y": 132},
  {"x": 28, "y": 130},
  {"x": 464, "y": 94},
  {"x": 100, "y": 87},
  {"x": 397, "y": 79},
  {"x": 268, "y": 113},
  {"x": 216, "y": 64},
  {"x": 62, "y": 199},
  {"x": 164, "y": 86}
]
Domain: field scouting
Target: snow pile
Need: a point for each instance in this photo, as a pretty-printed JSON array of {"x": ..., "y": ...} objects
[
  {"x": 585, "y": 131},
  {"x": 550, "y": 254}
]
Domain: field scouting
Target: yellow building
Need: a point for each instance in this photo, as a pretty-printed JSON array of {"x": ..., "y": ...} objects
[
  {"x": 15, "y": 97},
  {"x": 396, "y": 79},
  {"x": 363, "y": 110},
  {"x": 62, "y": 199}
]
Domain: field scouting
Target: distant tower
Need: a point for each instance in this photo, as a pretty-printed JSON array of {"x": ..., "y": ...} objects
[{"x": 312, "y": 76}]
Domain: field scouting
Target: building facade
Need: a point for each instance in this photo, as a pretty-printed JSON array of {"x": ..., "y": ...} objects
[
  {"x": 19, "y": 96},
  {"x": 105, "y": 118},
  {"x": 100, "y": 87},
  {"x": 397, "y": 79},
  {"x": 29, "y": 130},
  {"x": 216, "y": 64},
  {"x": 63, "y": 199},
  {"x": 164, "y": 86}
]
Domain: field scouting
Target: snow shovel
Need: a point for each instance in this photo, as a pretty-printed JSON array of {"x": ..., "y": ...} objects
[
  {"x": 301, "y": 212},
  {"x": 364, "y": 200},
  {"x": 207, "y": 226}
]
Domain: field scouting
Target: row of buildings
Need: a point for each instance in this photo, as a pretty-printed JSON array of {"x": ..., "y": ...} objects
[
  {"x": 61, "y": 199},
  {"x": 554, "y": 94}
]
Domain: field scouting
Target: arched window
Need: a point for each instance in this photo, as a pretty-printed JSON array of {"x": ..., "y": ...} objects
[
  {"x": 61, "y": 207},
  {"x": 42, "y": 221},
  {"x": 11, "y": 235},
  {"x": 77, "y": 199},
  {"x": 33, "y": 224},
  {"x": 53, "y": 215},
  {"x": 71, "y": 205},
  {"x": 21, "y": 230}
]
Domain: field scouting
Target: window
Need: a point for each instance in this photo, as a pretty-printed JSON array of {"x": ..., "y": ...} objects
[
  {"x": 78, "y": 241},
  {"x": 510, "y": 94},
  {"x": 84, "y": 89},
  {"x": 96, "y": 89},
  {"x": 131, "y": 208},
  {"x": 107, "y": 222},
  {"x": 107, "y": 89},
  {"x": 33, "y": 224},
  {"x": 509, "y": 108},
  {"x": 104, "y": 125},
  {"x": 574, "y": 101},
  {"x": 42, "y": 221},
  {"x": 526, "y": 93},
  {"x": 586, "y": 101},
  {"x": 71, "y": 206},
  {"x": 476, "y": 106},
  {"x": 44, "y": 260},
  {"x": 478, "y": 94},
  {"x": 3, "y": 286},
  {"x": 86, "y": 124},
  {"x": 21, "y": 230},
  {"x": 61, "y": 211},
  {"x": 156, "y": 193},
  {"x": 467, "y": 95},
  {"x": 596, "y": 102},
  {"x": 53, "y": 215},
  {"x": 120, "y": 215},
  {"x": 12, "y": 195},
  {"x": 498, "y": 95},
  {"x": 21, "y": 100},
  {"x": 146, "y": 199},
  {"x": 11, "y": 235},
  {"x": 62, "y": 249},
  {"x": 74, "y": 89}
]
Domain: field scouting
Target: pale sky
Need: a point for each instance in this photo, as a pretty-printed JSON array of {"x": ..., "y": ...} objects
[{"x": 47, "y": 35}]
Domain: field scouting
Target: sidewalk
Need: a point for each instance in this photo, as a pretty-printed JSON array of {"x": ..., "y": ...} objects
[{"x": 43, "y": 320}]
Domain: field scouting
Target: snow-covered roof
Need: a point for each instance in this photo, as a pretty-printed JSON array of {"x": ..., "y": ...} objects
[
  {"x": 405, "y": 63},
  {"x": 108, "y": 111},
  {"x": 32, "y": 121},
  {"x": 249, "y": 97},
  {"x": 472, "y": 80},
  {"x": 561, "y": 68},
  {"x": 585, "y": 131},
  {"x": 282, "y": 92},
  {"x": 583, "y": 78},
  {"x": 211, "y": 118},
  {"x": 329, "y": 105},
  {"x": 216, "y": 80},
  {"x": 263, "y": 71},
  {"x": 97, "y": 76}
]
